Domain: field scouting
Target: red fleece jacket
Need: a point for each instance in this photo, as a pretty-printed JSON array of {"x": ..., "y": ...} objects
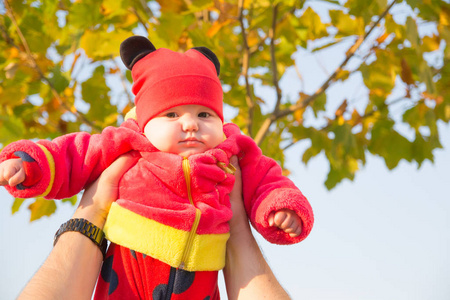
[{"x": 166, "y": 197}]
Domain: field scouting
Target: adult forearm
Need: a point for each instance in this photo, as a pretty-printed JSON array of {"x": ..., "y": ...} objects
[
  {"x": 71, "y": 269},
  {"x": 66, "y": 274},
  {"x": 247, "y": 274}
]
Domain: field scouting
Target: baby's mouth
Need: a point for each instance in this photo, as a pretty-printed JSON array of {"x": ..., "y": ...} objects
[{"x": 191, "y": 141}]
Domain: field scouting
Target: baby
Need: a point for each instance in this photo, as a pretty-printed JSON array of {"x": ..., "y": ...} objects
[{"x": 169, "y": 227}]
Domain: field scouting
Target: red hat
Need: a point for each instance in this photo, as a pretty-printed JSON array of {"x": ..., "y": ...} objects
[{"x": 164, "y": 79}]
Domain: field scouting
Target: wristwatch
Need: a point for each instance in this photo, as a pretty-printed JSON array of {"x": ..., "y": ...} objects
[{"x": 86, "y": 228}]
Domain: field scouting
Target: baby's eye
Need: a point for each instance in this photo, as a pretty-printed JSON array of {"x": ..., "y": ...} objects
[
  {"x": 204, "y": 114},
  {"x": 171, "y": 115}
]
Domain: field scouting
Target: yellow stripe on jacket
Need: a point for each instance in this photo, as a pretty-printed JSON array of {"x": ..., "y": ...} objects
[
  {"x": 51, "y": 165},
  {"x": 165, "y": 243}
]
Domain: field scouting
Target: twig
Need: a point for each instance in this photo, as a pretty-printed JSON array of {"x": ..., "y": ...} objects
[
  {"x": 245, "y": 67},
  {"x": 272, "y": 31},
  {"x": 146, "y": 8},
  {"x": 273, "y": 117},
  {"x": 134, "y": 11}
]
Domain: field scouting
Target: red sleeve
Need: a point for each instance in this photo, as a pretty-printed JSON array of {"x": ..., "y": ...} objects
[
  {"x": 266, "y": 190},
  {"x": 70, "y": 162}
]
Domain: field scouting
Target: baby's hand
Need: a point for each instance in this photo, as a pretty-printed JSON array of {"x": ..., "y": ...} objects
[
  {"x": 287, "y": 220},
  {"x": 12, "y": 172}
]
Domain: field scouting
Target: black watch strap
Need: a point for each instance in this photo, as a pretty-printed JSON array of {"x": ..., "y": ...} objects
[{"x": 86, "y": 228}]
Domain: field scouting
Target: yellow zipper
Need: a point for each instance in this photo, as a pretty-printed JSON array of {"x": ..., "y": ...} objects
[{"x": 190, "y": 240}]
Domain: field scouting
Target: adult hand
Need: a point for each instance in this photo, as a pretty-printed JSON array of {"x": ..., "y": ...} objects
[
  {"x": 239, "y": 222},
  {"x": 97, "y": 198},
  {"x": 247, "y": 274}
]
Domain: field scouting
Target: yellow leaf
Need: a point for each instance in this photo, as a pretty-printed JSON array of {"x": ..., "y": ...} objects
[
  {"x": 13, "y": 52},
  {"x": 444, "y": 18},
  {"x": 40, "y": 208},
  {"x": 356, "y": 117},
  {"x": 342, "y": 75},
  {"x": 298, "y": 114},
  {"x": 252, "y": 38},
  {"x": 68, "y": 92},
  {"x": 16, "y": 205},
  {"x": 382, "y": 38},
  {"x": 352, "y": 165},
  {"x": 171, "y": 6},
  {"x": 430, "y": 43},
  {"x": 286, "y": 172},
  {"x": 216, "y": 26},
  {"x": 447, "y": 112}
]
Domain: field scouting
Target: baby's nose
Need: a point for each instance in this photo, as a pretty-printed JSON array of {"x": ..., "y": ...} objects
[{"x": 189, "y": 123}]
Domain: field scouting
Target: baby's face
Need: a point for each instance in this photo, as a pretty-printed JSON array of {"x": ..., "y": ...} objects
[{"x": 185, "y": 130}]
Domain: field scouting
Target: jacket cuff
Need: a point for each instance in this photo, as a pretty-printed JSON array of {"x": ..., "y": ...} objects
[
  {"x": 276, "y": 200},
  {"x": 36, "y": 157}
]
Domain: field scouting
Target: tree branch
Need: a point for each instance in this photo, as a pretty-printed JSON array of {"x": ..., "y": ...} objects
[
  {"x": 245, "y": 66},
  {"x": 135, "y": 12},
  {"x": 35, "y": 66},
  {"x": 263, "y": 40},
  {"x": 272, "y": 31},
  {"x": 350, "y": 53}
]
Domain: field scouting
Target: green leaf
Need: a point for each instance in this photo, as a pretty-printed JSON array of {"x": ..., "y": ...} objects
[
  {"x": 32, "y": 28},
  {"x": 411, "y": 33},
  {"x": 379, "y": 76},
  {"x": 422, "y": 149},
  {"x": 271, "y": 147},
  {"x": 366, "y": 9},
  {"x": 85, "y": 14},
  {"x": 95, "y": 92},
  {"x": 11, "y": 127},
  {"x": 72, "y": 200},
  {"x": 200, "y": 5},
  {"x": 311, "y": 22},
  {"x": 426, "y": 76},
  {"x": 319, "y": 103},
  {"x": 310, "y": 153},
  {"x": 389, "y": 144},
  {"x": 398, "y": 31},
  {"x": 347, "y": 25},
  {"x": 101, "y": 44},
  {"x": 413, "y": 3},
  {"x": 58, "y": 79},
  {"x": 343, "y": 137},
  {"x": 336, "y": 175}
]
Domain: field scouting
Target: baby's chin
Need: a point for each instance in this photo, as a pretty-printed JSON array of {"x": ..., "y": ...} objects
[{"x": 190, "y": 152}]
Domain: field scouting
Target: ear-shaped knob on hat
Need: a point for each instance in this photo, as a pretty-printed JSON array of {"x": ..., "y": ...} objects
[
  {"x": 211, "y": 56},
  {"x": 133, "y": 49}
]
